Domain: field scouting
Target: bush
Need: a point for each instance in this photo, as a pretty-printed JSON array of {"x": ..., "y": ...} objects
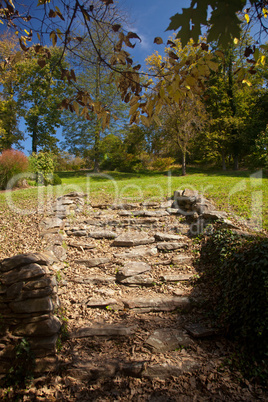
[
  {"x": 236, "y": 273},
  {"x": 56, "y": 180},
  {"x": 161, "y": 164},
  {"x": 12, "y": 162},
  {"x": 42, "y": 164}
]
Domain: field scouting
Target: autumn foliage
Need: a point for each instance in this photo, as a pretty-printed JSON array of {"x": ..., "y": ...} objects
[{"x": 12, "y": 162}]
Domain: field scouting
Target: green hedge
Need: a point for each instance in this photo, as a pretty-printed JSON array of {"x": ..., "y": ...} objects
[{"x": 235, "y": 269}]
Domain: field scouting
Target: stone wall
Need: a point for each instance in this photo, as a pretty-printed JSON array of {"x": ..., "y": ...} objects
[
  {"x": 28, "y": 292},
  {"x": 28, "y": 300}
]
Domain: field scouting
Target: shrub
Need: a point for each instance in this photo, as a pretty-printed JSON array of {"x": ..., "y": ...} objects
[
  {"x": 161, "y": 164},
  {"x": 56, "y": 180},
  {"x": 12, "y": 162},
  {"x": 236, "y": 273},
  {"x": 42, "y": 164}
]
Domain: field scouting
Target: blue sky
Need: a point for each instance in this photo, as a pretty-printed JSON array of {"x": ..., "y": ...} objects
[{"x": 148, "y": 18}]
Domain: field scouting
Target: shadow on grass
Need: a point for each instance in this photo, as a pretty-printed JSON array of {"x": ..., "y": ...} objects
[{"x": 103, "y": 176}]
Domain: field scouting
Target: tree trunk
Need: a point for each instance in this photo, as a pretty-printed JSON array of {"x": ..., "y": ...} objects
[
  {"x": 236, "y": 162},
  {"x": 97, "y": 149},
  {"x": 34, "y": 141},
  {"x": 183, "y": 164}
]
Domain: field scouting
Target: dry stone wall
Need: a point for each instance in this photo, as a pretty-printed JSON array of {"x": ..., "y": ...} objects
[{"x": 28, "y": 293}]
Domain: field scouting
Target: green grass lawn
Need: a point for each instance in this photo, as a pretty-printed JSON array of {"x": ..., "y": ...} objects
[{"x": 238, "y": 193}]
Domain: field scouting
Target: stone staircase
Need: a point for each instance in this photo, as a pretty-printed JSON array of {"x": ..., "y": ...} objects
[{"x": 127, "y": 291}]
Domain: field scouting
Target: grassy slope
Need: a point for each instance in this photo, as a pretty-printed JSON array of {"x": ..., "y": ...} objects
[{"x": 234, "y": 192}]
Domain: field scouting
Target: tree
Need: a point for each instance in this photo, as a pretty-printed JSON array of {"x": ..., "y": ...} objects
[
  {"x": 182, "y": 114},
  {"x": 93, "y": 76},
  {"x": 9, "y": 132},
  {"x": 220, "y": 19},
  {"x": 40, "y": 91}
]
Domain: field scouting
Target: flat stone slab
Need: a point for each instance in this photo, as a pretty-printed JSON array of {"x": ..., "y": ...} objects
[
  {"x": 104, "y": 234},
  {"x": 200, "y": 330},
  {"x": 131, "y": 269},
  {"x": 77, "y": 233},
  {"x": 93, "y": 262},
  {"x": 165, "y": 370},
  {"x": 101, "y": 303},
  {"x": 85, "y": 246},
  {"x": 51, "y": 223},
  {"x": 138, "y": 280},
  {"x": 169, "y": 246},
  {"x": 138, "y": 252},
  {"x": 95, "y": 279},
  {"x": 176, "y": 277},
  {"x": 168, "y": 237},
  {"x": 215, "y": 215},
  {"x": 156, "y": 213},
  {"x": 26, "y": 272},
  {"x": 23, "y": 259},
  {"x": 166, "y": 339},
  {"x": 157, "y": 303},
  {"x": 132, "y": 239},
  {"x": 105, "y": 330},
  {"x": 182, "y": 260}
]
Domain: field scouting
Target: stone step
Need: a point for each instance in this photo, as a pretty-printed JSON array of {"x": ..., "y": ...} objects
[
  {"x": 157, "y": 303},
  {"x": 85, "y": 370},
  {"x": 176, "y": 277},
  {"x": 132, "y": 239},
  {"x": 103, "y": 330}
]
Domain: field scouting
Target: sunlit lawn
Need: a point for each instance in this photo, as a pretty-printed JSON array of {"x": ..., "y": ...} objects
[{"x": 238, "y": 193}]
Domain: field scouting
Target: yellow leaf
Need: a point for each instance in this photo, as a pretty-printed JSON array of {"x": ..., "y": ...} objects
[
  {"x": 1, "y": 22},
  {"x": 157, "y": 120},
  {"x": 133, "y": 108},
  {"x": 28, "y": 33},
  {"x": 145, "y": 120},
  {"x": 236, "y": 41},
  {"x": 247, "y": 82},
  {"x": 247, "y": 18},
  {"x": 76, "y": 107},
  {"x": 262, "y": 60},
  {"x": 265, "y": 12},
  {"x": 38, "y": 36}
]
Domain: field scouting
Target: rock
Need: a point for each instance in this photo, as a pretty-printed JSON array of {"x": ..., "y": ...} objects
[
  {"x": 49, "y": 327},
  {"x": 200, "y": 330},
  {"x": 182, "y": 260},
  {"x": 59, "y": 252},
  {"x": 101, "y": 303},
  {"x": 166, "y": 204},
  {"x": 138, "y": 252},
  {"x": 23, "y": 259},
  {"x": 30, "y": 271},
  {"x": 168, "y": 237},
  {"x": 166, "y": 339},
  {"x": 138, "y": 280},
  {"x": 174, "y": 211},
  {"x": 214, "y": 215},
  {"x": 32, "y": 306},
  {"x": 132, "y": 239},
  {"x": 157, "y": 303},
  {"x": 165, "y": 370},
  {"x": 77, "y": 233},
  {"x": 156, "y": 213},
  {"x": 105, "y": 330},
  {"x": 85, "y": 246},
  {"x": 51, "y": 223},
  {"x": 93, "y": 262},
  {"x": 126, "y": 206},
  {"x": 125, "y": 213},
  {"x": 176, "y": 278},
  {"x": 103, "y": 235},
  {"x": 95, "y": 279},
  {"x": 169, "y": 246},
  {"x": 131, "y": 269}
]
